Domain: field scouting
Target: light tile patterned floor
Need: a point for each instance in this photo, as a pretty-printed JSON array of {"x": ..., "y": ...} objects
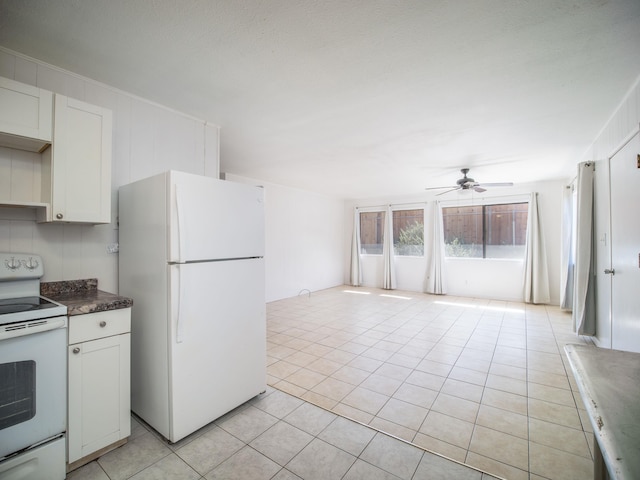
[
  {"x": 274, "y": 436},
  {"x": 482, "y": 382}
]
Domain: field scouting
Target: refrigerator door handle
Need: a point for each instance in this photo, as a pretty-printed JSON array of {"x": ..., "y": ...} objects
[
  {"x": 179, "y": 319},
  {"x": 180, "y": 223}
]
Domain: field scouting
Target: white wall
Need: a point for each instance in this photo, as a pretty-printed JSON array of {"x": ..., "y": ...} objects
[
  {"x": 308, "y": 237},
  {"x": 147, "y": 139},
  {"x": 304, "y": 230},
  {"x": 485, "y": 278},
  {"x": 304, "y": 234},
  {"x": 624, "y": 120}
]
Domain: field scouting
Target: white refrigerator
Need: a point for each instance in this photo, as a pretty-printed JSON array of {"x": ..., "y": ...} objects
[{"x": 192, "y": 259}]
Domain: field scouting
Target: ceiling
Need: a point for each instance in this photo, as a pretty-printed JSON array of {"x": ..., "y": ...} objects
[{"x": 359, "y": 98}]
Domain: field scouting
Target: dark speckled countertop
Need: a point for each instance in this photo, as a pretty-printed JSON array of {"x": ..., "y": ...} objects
[{"x": 83, "y": 296}]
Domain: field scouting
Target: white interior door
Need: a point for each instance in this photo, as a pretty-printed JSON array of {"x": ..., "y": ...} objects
[
  {"x": 602, "y": 202},
  {"x": 218, "y": 345},
  {"x": 625, "y": 247}
]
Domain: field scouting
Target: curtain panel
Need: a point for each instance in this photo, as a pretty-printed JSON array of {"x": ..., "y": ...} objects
[
  {"x": 584, "y": 308},
  {"x": 567, "y": 265},
  {"x": 389, "y": 274},
  {"x": 355, "y": 275},
  {"x": 536, "y": 270},
  {"x": 435, "y": 279}
]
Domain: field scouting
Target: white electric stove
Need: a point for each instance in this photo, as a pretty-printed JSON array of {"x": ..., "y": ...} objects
[{"x": 33, "y": 372}]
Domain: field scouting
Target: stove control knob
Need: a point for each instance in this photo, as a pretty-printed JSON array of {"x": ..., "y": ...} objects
[
  {"x": 31, "y": 264},
  {"x": 12, "y": 264}
]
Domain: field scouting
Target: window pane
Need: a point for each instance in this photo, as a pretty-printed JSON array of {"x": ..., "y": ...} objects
[
  {"x": 408, "y": 232},
  {"x": 371, "y": 231},
  {"x": 489, "y": 231},
  {"x": 506, "y": 230},
  {"x": 462, "y": 231}
]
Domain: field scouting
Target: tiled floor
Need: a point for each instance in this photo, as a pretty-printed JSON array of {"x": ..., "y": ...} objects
[
  {"x": 482, "y": 382},
  {"x": 274, "y": 436}
]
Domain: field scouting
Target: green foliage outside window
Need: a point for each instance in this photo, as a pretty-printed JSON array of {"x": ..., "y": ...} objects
[{"x": 411, "y": 240}]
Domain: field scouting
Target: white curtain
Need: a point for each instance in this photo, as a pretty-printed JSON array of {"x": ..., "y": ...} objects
[
  {"x": 356, "y": 265},
  {"x": 584, "y": 312},
  {"x": 389, "y": 279},
  {"x": 567, "y": 259},
  {"x": 435, "y": 279},
  {"x": 536, "y": 273}
]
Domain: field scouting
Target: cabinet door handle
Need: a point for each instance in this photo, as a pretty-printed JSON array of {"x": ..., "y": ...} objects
[
  {"x": 103, "y": 324},
  {"x": 76, "y": 350},
  {"x": 59, "y": 216},
  {"x": 610, "y": 271}
]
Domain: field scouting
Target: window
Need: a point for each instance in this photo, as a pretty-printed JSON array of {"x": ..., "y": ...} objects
[
  {"x": 371, "y": 232},
  {"x": 486, "y": 231},
  {"x": 408, "y": 232}
]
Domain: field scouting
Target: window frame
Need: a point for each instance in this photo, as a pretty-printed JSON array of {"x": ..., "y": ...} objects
[
  {"x": 488, "y": 202},
  {"x": 407, "y": 208},
  {"x": 371, "y": 210},
  {"x": 383, "y": 210}
]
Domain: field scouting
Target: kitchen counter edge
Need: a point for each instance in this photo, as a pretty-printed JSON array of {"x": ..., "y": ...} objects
[{"x": 82, "y": 296}]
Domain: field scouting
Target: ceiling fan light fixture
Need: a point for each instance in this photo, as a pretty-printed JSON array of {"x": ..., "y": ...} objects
[{"x": 465, "y": 184}]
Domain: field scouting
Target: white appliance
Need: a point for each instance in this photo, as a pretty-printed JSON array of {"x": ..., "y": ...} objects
[
  {"x": 33, "y": 374},
  {"x": 191, "y": 258}
]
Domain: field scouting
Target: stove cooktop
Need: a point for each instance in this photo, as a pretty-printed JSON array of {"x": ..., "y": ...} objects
[
  {"x": 13, "y": 305},
  {"x": 29, "y": 308},
  {"x": 20, "y": 298}
]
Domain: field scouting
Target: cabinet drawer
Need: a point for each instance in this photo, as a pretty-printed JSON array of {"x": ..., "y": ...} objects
[{"x": 98, "y": 325}]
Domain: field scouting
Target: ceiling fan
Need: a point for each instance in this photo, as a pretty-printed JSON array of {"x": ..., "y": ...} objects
[{"x": 468, "y": 183}]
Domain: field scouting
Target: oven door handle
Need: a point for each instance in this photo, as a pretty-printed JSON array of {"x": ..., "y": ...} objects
[{"x": 29, "y": 328}]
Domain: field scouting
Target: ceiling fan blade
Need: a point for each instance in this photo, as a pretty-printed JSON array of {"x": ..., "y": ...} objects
[
  {"x": 450, "y": 190},
  {"x": 503, "y": 184},
  {"x": 479, "y": 189},
  {"x": 439, "y": 188}
]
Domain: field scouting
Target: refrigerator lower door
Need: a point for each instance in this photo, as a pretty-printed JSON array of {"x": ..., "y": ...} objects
[{"x": 218, "y": 340}]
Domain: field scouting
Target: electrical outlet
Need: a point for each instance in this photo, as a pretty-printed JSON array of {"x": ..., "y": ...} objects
[{"x": 113, "y": 248}]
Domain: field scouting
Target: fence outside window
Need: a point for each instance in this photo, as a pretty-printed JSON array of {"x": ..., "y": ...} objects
[{"x": 486, "y": 231}]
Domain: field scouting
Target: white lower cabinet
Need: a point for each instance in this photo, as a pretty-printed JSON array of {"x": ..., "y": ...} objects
[{"x": 99, "y": 415}]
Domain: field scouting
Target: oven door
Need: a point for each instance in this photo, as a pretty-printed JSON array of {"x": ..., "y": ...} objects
[{"x": 33, "y": 390}]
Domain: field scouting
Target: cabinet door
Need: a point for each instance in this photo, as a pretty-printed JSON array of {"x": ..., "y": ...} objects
[
  {"x": 80, "y": 163},
  {"x": 26, "y": 113},
  {"x": 99, "y": 394}
]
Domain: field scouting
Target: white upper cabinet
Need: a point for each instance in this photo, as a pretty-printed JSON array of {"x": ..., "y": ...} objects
[
  {"x": 25, "y": 116},
  {"x": 78, "y": 164},
  {"x": 70, "y": 181}
]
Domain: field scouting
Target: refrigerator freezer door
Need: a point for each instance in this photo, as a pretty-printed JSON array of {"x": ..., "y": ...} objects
[
  {"x": 219, "y": 360},
  {"x": 214, "y": 219}
]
